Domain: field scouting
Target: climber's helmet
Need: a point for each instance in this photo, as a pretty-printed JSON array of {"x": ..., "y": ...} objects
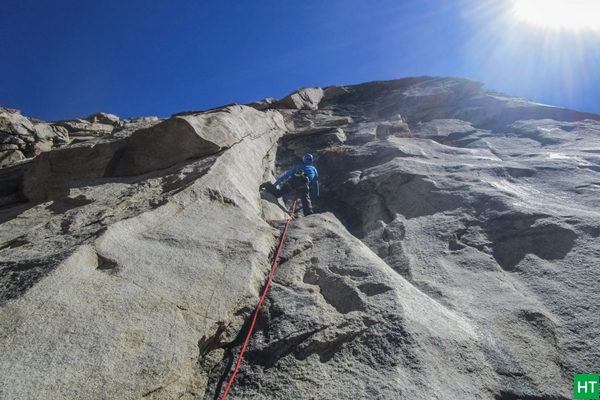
[{"x": 307, "y": 159}]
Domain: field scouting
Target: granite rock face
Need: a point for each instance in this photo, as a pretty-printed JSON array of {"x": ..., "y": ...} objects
[
  {"x": 453, "y": 254},
  {"x": 22, "y": 138}
]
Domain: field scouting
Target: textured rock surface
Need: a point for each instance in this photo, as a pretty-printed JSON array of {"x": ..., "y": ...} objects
[
  {"x": 454, "y": 254},
  {"x": 94, "y": 253},
  {"x": 302, "y": 99},
  {"x": 22, "y": 138},
  {"x": 338, "y": 311}
]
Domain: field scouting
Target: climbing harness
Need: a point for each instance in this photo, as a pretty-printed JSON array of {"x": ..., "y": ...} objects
[
  {"x": 299, "y": 179},
  {"x": 260, "y": 302}
]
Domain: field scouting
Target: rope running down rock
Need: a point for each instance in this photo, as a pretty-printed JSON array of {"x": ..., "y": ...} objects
[{"x": 259, "y": 305}]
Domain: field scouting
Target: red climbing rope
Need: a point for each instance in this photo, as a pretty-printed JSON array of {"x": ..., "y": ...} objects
[{"x": 262, "y": 298}]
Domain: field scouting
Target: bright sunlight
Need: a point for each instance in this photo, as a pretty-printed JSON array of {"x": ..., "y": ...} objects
[{"x": 559, "y": 14}]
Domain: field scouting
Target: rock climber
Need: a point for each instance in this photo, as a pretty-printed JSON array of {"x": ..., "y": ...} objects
[{"x": 302, "y": 178}]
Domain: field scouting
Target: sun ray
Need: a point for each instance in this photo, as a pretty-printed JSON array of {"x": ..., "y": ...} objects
[
  {"x": 552, "y": 65},
  {"x": 559, "y": 14}
]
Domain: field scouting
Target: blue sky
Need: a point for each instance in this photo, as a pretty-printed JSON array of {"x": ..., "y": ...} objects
[{"x": 68, "y": 59}]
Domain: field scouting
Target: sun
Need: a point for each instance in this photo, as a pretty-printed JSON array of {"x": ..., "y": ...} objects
[{"x": 559, "y": 14}]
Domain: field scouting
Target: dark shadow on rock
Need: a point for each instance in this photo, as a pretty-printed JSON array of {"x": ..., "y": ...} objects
[
  {"x": 11, "y": 182},
  {"x": 175, "y": 183},
  {"x": 16, "y": 278},
  {"x": 220, "y": 375},
  {"x": 68, "y": 203},
  {"x": 373, "y": 289},
  {"x": 514, "y": 236},
  {"x": 268, "y": 195},
  {"x": 12, "y": 211},
  {"x": 335, "y": 291},
  {"x": 223, "y": 380}
]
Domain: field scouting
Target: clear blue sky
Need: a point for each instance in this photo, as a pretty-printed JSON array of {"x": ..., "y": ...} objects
[{"x": 71, "y": 58}]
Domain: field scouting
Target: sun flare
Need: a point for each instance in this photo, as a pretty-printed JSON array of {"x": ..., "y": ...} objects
[{"x": 559, "y": 14}]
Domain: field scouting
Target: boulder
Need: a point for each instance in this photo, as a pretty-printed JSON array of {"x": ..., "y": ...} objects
[
  {"x": 44, "y": 132},
  {"x": 10, "y": 156},
  {"x": 61, "y": 135},
  {"x": 103, "y": 118},
  {"x": 7, "y": 138},
  {"x": 262, "y": 105},
  {"x": 161, "y": 146},
  {"x": 302, "y": 99},
  {"x": 40, "y": 146},
  {"x": 187, "y": 136},
  {"x": 16, "y": 124},
  {"x": 83, "y": 127},
  {"x": 22, "y": 137},
  {"x": 4, "y": 147}
]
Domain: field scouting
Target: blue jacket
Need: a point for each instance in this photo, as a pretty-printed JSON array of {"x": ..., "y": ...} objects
[{"x": 309, "y": 171}]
